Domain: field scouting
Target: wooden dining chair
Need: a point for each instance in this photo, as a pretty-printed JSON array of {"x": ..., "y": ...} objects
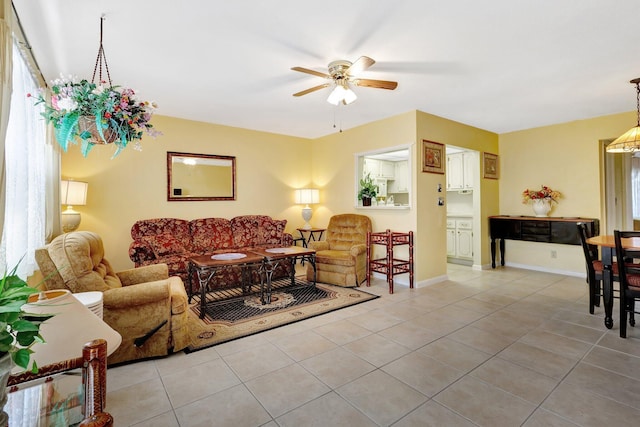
[
  {"x": 629, "y": 274},
  {"x": 594, "y": 267}
]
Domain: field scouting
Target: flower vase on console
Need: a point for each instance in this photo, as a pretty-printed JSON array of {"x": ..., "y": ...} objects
[
  {"x": 541, "y": 207},
  {"x": 541, "y": 199}
]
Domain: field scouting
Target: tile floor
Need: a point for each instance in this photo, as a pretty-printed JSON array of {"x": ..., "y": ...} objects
[{"x": 505, "y": 347}]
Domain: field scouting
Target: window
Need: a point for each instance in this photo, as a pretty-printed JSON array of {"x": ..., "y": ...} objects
[
  {"x": 26, "y": 155},
  {"x": 390, "y": 170}
]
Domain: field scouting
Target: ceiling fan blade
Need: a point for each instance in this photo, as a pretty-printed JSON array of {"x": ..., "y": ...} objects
[
  {"x": 360, "y": 65},
  {"x": 312, "y": 72},
  {"x": 380, "y": 84},
  {"x": 313, "y": 89}
]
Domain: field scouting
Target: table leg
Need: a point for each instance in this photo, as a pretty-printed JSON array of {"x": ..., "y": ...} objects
[
  {"x": 292, "y": 266},
  {"x": 204, "y": 275},
  {"x": 493, "y": 253},
  {"x": 607, "y": 285},
  {"x": 269, "y": 267},
  {"x": 502, "y": 252}
]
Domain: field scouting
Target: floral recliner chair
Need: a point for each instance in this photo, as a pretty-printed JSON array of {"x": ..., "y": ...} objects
[{"x": 146, "y": 306}]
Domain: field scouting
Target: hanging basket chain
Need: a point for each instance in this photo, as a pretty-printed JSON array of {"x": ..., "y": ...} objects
[{"x": 99, "y": 60}]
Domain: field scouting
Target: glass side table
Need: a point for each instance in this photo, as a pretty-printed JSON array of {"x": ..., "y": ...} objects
[{"x": 69, "y": 393}]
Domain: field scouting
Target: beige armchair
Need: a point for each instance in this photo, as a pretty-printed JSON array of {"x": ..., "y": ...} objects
[
  {"x": 146, "y": 306},
  {"x": 341, "y": 259}
]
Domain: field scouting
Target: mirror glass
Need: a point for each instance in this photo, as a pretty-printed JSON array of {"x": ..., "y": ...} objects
[
  {"x": 200, "y": 177},
  {"x": 390, "y": 170}
]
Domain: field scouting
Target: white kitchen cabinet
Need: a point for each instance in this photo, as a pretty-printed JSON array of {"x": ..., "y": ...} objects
[
  {"x": 371, "y": 167},
  {"x": 379, "y": 168},
  {"x": 401, "y": 182},
  {"x": 460, "y": 238},
  {"x": 451, "y": 238},
  {"x": 387, "y": 169},
  {"x": 461, "y": 170}
]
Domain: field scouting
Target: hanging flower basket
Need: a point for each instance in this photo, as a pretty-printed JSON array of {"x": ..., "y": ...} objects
[
  {"x": 98, "y": 135},
  {"x": 96, "y": 114}
]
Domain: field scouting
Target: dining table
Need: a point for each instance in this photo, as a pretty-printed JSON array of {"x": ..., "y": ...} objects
[{"x": 607, "y": 244}]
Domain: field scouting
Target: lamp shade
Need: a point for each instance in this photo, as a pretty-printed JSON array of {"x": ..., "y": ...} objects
[
  {"x": 629, "y": 142},
  {"x": 69, "y": 329},
  {"x": 307, "y": 196},
  {"x": 73, "y": 193}
]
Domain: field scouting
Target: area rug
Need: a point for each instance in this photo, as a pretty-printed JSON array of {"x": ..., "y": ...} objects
[{"x": 239, "y": 316}]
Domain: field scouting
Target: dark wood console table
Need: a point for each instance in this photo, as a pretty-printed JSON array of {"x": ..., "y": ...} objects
[{"x": 561, "y": 230}]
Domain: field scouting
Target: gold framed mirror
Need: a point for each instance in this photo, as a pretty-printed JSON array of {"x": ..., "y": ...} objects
[{"x": 196, "y": 177}]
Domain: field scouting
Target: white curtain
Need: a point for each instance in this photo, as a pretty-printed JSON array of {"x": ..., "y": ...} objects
[
  {"x": 26, "y": 161},
  {"x": 6, "y": 45},
  {"x": 635, "y": 186}
]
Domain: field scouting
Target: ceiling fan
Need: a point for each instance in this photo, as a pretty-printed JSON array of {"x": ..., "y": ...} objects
[{"x": 342, "y": 74}]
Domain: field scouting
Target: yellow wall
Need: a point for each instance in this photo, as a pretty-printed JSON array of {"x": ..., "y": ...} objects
[
  {"x": 133, "y": 185},
  {"x": 565, "y": 157},
  {"x": 334, "y": 170},
  {"x": 432, "y": 218},
  {"x": 269, "y": 167}
]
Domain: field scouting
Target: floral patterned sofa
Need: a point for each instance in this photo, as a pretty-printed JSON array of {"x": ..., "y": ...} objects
[{"x": 173, "y": 241}]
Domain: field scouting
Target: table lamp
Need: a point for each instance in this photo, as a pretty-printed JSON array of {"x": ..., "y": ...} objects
[
  {"x": 307, "y": 196},
  {"x": 69, "y": 329},
  {"x": 72, "y": 193}
]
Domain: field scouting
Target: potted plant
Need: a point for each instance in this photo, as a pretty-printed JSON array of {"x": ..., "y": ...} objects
[
  {"x": 96, "y": 114},
  {"x": 368, "y": 190},
  {"x": 18, "y": 330}
]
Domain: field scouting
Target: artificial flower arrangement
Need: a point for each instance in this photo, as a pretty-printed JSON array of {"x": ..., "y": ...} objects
[
  {"x": 96, "y": 114},
  {"x": 544, "y": 193}
]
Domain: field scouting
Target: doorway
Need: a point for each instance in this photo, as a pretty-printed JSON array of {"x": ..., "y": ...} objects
[
  {"x": 618, "y": 194},
  {"x": 463, "y": 206}
]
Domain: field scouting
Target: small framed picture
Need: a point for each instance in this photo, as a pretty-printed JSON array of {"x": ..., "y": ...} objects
[
  {"x": 433, "y": 157},
  {"x": 490, "y": 165}
]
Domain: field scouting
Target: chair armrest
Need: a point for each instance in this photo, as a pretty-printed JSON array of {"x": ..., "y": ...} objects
[
  {"x": 322, "y": 245},
  {"x": 287, "y": 239},
  {"x": 358, "y": 249},
  {"x": 139, "y": 252},
  {"x": 131, "y": 296},
  {"x": 147, "y": 273}
]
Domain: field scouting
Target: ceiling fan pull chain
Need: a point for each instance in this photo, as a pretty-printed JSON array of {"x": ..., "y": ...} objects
[{"x": 99, "y": 59}]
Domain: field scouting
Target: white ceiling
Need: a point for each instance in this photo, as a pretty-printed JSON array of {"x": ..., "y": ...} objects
[{"x": 500, "y": 65}]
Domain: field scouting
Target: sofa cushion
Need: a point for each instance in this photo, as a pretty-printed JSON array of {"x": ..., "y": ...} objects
[
  {"x": 209, "y": 234},
  {"x": 178, "y": 228},
  {"x": 272, "y": 231},
  {"x": 165, "y": 244},
  {"x": 245, "y": 231}
]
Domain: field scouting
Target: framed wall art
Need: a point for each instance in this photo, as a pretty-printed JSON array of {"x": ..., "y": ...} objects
[
  {"x": 490, "y": 165},
  {"x": 433, "y": 156}
]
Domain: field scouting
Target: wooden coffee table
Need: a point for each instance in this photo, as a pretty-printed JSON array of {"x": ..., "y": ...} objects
[
  {"x": 206, "y": 266},
  {"x": 273, "y": 256}
]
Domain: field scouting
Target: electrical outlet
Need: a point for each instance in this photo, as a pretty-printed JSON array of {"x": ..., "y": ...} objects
[{"x": 554, "y": 254}]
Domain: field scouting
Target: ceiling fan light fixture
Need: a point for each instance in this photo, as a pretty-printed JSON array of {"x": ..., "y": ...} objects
[
  {"x": 349, "y": 96},
  {"x": 337, "y": 95},
  {"x": 629, "y": 142}
]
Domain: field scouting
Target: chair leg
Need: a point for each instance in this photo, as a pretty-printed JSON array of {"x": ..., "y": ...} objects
[
  {"x": 623, "y": 315},
  {"x": 592, "y": 296},
  {"x": 598, "y": 292},
  {"x": 632, "y": 309}
]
